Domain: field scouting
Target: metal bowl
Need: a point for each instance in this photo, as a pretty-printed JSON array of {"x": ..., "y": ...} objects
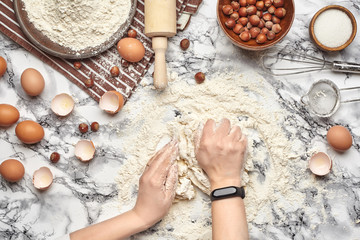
[{"x": 45, "y": 44}]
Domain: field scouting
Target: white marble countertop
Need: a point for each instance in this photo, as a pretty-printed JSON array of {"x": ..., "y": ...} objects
[{"x": 86, "y": 193}]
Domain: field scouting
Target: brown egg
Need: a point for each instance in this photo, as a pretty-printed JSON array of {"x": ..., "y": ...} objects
[
  {"x": 29, "y": 132},
  {"x": 131, "y": 49},
  {"x": 3, "y": 66},
  {"x": 32, "y": 82},
  {"x": 339, "y": 138},
  {"x": 8, "y": 115},
  {"x": 12, "y": 170}
]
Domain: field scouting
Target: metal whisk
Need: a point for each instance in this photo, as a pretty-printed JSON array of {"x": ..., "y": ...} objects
[{"x": 305, "y": 63}]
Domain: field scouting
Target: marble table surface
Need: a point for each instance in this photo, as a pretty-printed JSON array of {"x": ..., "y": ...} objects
[{"x": 86, "y": 193}]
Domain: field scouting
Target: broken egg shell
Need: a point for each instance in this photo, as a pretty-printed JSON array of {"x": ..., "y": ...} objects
[
  {"x": 320, "y": 164},
  {"x": 85, "y": 150},
  {"x": 62, "y": 104},
  {"x": 42, "y": 178},
  {"x": 111, "y": 102}
]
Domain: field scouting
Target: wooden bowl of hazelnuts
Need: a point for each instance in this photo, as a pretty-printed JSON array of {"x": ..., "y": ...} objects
[{"x": 255, "y": 24}]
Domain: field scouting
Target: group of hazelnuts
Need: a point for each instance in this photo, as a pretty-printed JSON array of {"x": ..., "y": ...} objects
[{"x": 254, "y": 19}]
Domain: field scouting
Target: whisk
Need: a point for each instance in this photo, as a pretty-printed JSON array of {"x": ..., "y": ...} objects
[{"x": 310, "y": 63}]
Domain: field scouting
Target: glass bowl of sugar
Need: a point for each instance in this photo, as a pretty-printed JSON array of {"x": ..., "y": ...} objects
[{"x": 333, "y": 28}]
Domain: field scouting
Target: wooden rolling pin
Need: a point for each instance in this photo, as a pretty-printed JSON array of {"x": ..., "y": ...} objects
[{"x": 160, "y": 23}]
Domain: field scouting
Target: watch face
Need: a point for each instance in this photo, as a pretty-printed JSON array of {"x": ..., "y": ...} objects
[{"x": 224, "y": 191}]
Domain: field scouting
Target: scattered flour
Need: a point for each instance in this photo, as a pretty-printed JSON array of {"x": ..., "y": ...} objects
[
  {"x": 78, "y": 24},
  {"x": 248, "y": 101}
]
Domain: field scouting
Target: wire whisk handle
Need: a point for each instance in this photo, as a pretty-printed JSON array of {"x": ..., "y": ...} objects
[{"x": 346, "y": 67}]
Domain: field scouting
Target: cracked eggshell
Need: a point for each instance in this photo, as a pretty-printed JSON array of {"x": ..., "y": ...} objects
[
  {"x": 42, "y": 178},
  {"x": 320, "y": 164},
  {"x": 62, "y": 104},
  {"x": 111, "y": 102},
  {"x": 85, "y": 150}
]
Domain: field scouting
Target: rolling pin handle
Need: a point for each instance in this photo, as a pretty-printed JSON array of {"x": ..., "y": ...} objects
[{"x": 159, "y": 44}]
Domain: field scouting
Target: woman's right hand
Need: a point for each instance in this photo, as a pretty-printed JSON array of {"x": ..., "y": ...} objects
[
  {"x": 220, "y": 152},
  {"x": 157, "y": 185}
]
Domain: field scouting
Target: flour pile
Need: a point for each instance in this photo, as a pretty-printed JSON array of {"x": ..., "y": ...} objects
[
  {"x": 78, "y": 24},
  {"x": 248, "y": 101}
]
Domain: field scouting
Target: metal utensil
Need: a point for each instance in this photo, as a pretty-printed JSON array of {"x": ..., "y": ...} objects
[
  {"x": 323, "y": 98},
  {"x": 284, "y": 63}
]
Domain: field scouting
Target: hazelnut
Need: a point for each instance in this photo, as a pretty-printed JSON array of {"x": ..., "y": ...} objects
[
  {"x": 237, "y": 28},
  {"x": 276, "y": 28},
  {"x": 124, "y": 63},
  {"x": 254, "y": 20},
  {"x": 245, "y": 36},
  {"x": 83, "y": 127},
  {"x": 261, "y": 24},
  {"x": 269, "y": 25},
  {"x": 267, "y": 17},
  {"x": 254, "y": 32},
  {"x": 275, "y": 19},
  {"x": 132, "y": 33},
  {"x": 270, "y": 35},
  {"x": 235, "y": 16},
  {"x": 243, "y": 20},
  {"x": 184, "y": 44},
  {"x": 235, "y": 5},
  {"x": 251, "y": 10},
  {"x": 248, "y": 25},
  {"x": 199, "y": 77},
  {"x": 268, "y": 3},
  {"x": 259, "y": 13},
  {"x": 264, "y": 30},
  {"x": 242, "y": 3},
  {"x": 280, "y": 12},
  {"x": 261, "y": 38},
  {"x": 271, "y": 9},
  {"x": 244, "y": 29},
  {"x": 243, "y": 12},
  {"x": 230, "y": 23},
  {"x": 114, "y": 71},
  {"x": 260, "y": 5},
  {"x": 54, "y": 157},
  {"x": 89, "y": 82},
  {"x": 77, "y": 65},
  {"x": 94, "y": 126},
  {"x": 227, "y": 9},
  {"x": 250, "y": 2},
  {"x": 278, "y": 3}
]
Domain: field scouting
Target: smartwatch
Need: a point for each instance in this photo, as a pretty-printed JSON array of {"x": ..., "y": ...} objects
[{"x": 227, "y": 192}]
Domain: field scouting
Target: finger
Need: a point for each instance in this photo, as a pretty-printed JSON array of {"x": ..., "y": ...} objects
[
  {"x": 158, "y": 169},
  {"x": 161, "y": 151},
  {"x": 171, "y": 182},
  {"x": 197, "y": 136},
  {"x": 235, "y": 133},
  {"x": 209, "y": 129},
  {"x": 224, "y": 128}
]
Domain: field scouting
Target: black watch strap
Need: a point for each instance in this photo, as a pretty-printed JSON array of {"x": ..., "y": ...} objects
[{"x": 227, "y": 192}]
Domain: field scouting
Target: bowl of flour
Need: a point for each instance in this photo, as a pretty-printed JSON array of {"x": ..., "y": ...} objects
[{"x": 74, "y": 29}]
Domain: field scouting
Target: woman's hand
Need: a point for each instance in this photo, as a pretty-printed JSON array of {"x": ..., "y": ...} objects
[
  {"x": 157, "y": 185},
  {"x": 220, "y": 152}
]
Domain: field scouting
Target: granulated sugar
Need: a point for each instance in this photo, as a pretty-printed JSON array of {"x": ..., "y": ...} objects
[{"x": 333, "y": 28}]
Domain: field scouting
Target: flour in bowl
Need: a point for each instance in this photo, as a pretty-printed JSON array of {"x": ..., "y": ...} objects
[{"x": 78, "y": 24}]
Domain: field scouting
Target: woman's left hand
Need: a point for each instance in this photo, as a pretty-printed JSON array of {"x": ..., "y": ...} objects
[{"x": 157, "y": 185}]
